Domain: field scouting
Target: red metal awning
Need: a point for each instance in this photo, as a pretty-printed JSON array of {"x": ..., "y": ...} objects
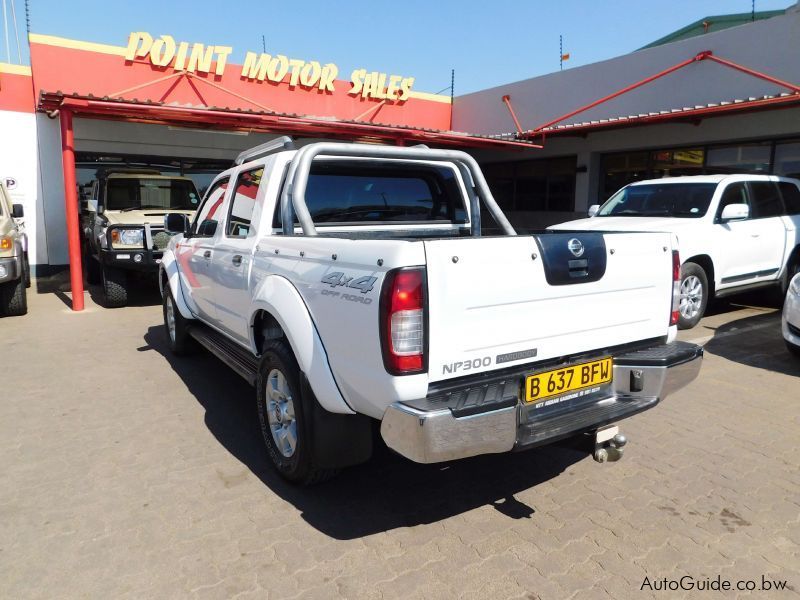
[
  {"x": 684, "y": 114},
  {"x": 690, "y": 113},
  {"x": 225, "y": 118}
]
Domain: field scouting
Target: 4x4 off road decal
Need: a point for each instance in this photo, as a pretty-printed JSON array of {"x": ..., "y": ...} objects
[{"x": 365, "y": 284}]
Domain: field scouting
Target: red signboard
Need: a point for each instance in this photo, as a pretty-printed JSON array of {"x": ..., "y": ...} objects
[{"x": 87, "y": 69}]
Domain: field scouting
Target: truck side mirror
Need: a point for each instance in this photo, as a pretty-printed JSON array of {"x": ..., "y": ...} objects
[
  {"x": 734, "y": 212},
  {"x": 91, "y": 204},
  {"x": 17, "y": 211},
  {"x": 594, "y": 209},
  {"x": 176, "y": 223}
]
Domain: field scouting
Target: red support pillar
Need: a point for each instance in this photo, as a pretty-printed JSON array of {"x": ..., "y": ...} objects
[{"x": 71, "y": 208}]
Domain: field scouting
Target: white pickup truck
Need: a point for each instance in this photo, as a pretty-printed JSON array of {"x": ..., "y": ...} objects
[
  {"x": 736, "y": 232},
  {"x": 350, "y": 285}
]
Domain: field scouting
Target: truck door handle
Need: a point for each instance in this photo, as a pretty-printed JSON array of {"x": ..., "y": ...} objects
[
  {"x": 207, "y": 254},
  {"x": 237, "y": 259}
]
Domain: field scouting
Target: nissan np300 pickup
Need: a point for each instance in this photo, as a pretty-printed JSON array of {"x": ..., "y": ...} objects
[{"x": 351, "y": 285}]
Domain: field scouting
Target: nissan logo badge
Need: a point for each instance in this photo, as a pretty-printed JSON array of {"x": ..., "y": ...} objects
[{"x": 576, "y": 247}]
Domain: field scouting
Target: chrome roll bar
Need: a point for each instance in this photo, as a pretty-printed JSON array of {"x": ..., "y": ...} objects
[{"x": 293, "y": 197}]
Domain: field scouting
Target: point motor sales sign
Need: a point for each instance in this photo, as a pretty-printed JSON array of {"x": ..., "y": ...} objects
[{"x": 163, "y": 51}]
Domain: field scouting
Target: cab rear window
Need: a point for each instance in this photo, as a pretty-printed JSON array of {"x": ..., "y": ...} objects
[{"x": 354, "y": 194}]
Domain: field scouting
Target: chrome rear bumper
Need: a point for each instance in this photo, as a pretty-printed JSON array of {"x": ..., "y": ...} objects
[{"x": 641, "y": 380}]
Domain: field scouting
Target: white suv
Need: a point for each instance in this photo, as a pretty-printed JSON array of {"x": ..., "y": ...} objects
[{"x": 736, "y": 232}]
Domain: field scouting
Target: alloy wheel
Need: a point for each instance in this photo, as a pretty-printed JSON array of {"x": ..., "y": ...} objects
[
  {"x": 280, "y": 413},
  {"x": 691, "y": 297},
  {"x": 170, "y": 317}
]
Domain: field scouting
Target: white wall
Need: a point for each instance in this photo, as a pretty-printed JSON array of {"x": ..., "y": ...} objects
[{"x": 18, "y": 159}]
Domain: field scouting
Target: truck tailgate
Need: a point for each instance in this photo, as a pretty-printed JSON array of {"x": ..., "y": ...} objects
[{"x": 499, "y": 302}]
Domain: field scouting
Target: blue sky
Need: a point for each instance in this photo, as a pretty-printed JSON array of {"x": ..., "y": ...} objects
[{"x": 487, "y": 43}]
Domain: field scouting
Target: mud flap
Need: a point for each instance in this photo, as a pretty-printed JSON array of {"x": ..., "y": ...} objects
[{"x": 337, "y": 440}]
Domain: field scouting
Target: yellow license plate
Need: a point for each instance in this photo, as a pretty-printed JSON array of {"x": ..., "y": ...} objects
[{"x": 568, "y": 379}]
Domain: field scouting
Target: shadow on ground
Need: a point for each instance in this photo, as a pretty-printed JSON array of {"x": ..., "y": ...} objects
[
  {"x": 755, "y": 341},
  {"x": 142, "y": 291},
  {"x": 764, "y": 298},
  {"x": 385, "y": 493}
]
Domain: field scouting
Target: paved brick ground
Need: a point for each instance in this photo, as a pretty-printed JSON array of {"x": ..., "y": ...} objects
[{"x": 127, "y": 473}]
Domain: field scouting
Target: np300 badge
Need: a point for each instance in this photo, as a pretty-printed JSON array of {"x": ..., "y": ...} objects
[{"x": 576, "y": 247}]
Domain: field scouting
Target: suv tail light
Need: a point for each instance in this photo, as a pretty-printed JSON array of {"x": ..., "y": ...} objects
[
  {"x": 403, "y": 321},
  {"x": 676, "y": 288}
]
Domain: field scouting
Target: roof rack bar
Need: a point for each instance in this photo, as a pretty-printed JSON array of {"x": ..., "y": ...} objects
[{"x": 284, "y": 142}]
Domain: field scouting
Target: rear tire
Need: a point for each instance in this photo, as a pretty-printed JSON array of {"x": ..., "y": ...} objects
[
  {"x": 285, "y": 426},
  {"x": 115, "y": 287},
  {"x": 694, "y": 295},
  {"x": 176, "y": 326},
  {"x": 13, "y": 298}
]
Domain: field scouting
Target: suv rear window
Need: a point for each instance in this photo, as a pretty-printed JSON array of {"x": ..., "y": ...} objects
[
  {"x": 134, "y": 193},
  {"x": 765, "y": 199},
  {"x": 354, "y": 194},
  {"x": 791, "y": 197}
]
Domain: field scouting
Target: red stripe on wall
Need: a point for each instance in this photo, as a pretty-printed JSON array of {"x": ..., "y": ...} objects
[{"x": 16, "y": 93}]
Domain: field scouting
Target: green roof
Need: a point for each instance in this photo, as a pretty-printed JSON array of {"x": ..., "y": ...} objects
[{"x": 713, "y": 23}]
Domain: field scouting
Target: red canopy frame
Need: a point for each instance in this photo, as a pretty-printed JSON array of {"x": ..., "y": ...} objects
[{"x": 705, "y": 55}]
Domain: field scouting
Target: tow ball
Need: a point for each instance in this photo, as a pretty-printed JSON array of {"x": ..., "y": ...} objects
[{"x": 609, "y": 444}]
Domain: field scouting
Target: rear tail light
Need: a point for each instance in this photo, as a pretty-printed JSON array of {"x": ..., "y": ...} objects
[
  {"x": 676, "y": 288},
  {"x": 403, "y": 321}
]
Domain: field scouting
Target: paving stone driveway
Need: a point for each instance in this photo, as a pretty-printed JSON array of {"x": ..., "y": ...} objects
[{"x": 127, "y": 473}]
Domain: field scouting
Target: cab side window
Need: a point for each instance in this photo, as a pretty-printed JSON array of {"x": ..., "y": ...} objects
[
  {"x": 243, "y": 203},
  {"x": 207, "y": 217},
  {"x": 791, "y": 197},
  {"x": 735, "y": 193},
  {"x": 766, "y": 199}
]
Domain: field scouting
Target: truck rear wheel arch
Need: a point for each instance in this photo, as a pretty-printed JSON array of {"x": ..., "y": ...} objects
[{"x": 277, "y": 297}]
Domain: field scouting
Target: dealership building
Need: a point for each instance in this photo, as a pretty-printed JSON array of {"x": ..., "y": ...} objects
[{"x": 719, "y": 96}]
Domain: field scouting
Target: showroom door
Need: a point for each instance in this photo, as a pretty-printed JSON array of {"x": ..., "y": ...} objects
[
  {"x": 195, "y": 253},
  {"x": 233, "y": 257}
]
